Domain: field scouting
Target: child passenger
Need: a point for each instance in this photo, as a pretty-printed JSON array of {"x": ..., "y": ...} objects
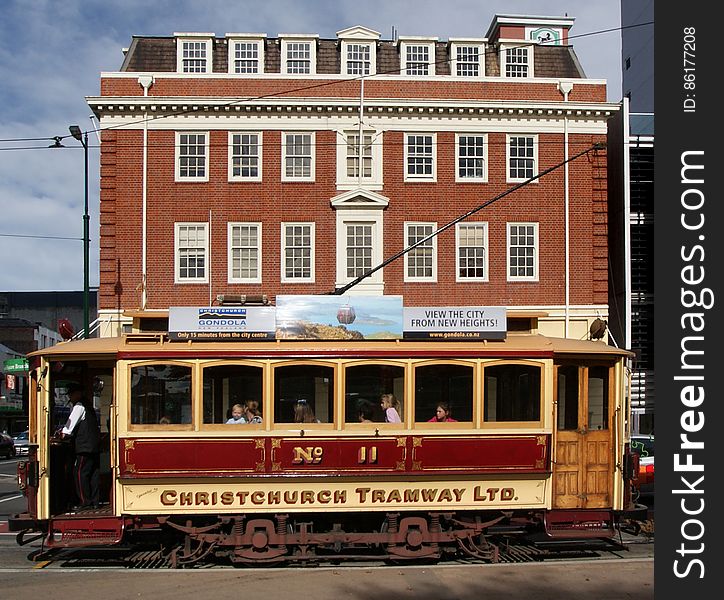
[
  {"x": 237, "y": 415},
  {"x": 253, "y": 415},
  {"x": 390, "y": 405}
]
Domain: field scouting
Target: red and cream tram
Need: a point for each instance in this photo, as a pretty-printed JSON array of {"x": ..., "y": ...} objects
[{"x": 536, "y": 441}]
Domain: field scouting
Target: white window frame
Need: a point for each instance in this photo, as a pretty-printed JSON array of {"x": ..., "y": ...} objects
[
  {"x": 486, "y": 251},
  {"x": 432, "y": 245},
  {"x": 230, "y": 249},
  {"x": 205, "y": 38},
  {"x": 258, "y": 176},
  {"x": 178, "y": 177},
  {"x": 287, "y": 39},
  {"x": 239, "y": 38},
  {"x": 425, "y": 178},
  {"x": 347, "y": 182},
  {"x": 312, "y": 251},
  {"x": 458, "y": 44},
  {"x": 504, "y": 59},
  {"x": 312, "y": 167},
  {"x": 458, "y": 177},
  {"x": 422, "y": 42},
  {"x": 374, "y": 284},
  {"x": 345, "y": 57},
  {"x": 177, "y": 253},
  {"x": 536, "y": 251},
  {"x": 508, "y": 177}
]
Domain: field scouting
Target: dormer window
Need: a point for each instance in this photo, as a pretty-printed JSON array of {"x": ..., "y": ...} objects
[
  {"x": 467, "y": 58},
  {"x": 299, "y": 54},
  {"x": 246, "y": 53},
  {"x": 516, "y": 60},
  {"x": 193, "y": 52},
  {"x": 417, "y": 56},
  {"x": 358, "y": 50}
]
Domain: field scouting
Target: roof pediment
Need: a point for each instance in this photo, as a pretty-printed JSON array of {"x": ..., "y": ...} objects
[
  {"x": 359, "y": 33},
  {"x": 360, "y": 198}
]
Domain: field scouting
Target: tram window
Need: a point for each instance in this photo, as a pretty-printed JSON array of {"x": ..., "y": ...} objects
[
  {"x": 597, "y": 398},
  {"x": 449, "y": 384},
  {"x": 363, "y": 387},
  {"x": 227, "y": 385},
  {"x": 160, "y": 394},
  {"x": 568, "y": 398},
  {"x": 304, "y": 390},
  {"x": 512, "y": 393}
]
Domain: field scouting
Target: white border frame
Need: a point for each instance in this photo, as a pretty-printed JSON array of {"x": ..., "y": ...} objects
[
  {"x": 232, "y": 39},
  {"x": 420, "y": 178},
  {"x": 458, "y": 178},
  {"x": 239, "y": 178},
  {"x": 293, "y": 38},
  {"x": 509, "y": 45},
  {"x": 374, "y": 284},
  {"x": 486, "y": 242},
  {"x": 313, "y": 166},
  {"x": 229, "y": 277},
  {"x": 190, "y": 37},
  {"x": 536, "y": 164},
  {"x": 458, "y": 43},
  {"x": 412, "y": 41},
  {"x": 282, "y": 256},
  {"x": 177, "y": 257},
  {"x": 177, "y": 157},
  {"x": 536, "y": 256},
  {"x": 406, "y": 277},
  {"x": 343, "y": 56},
  {"x": 348, "y": 183}
]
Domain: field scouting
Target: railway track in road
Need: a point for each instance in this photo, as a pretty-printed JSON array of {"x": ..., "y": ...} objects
[{"x": 626, "y": 547}]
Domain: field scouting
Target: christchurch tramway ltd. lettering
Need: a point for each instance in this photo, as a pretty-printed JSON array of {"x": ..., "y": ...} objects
[{"x": 363, "y": 495}]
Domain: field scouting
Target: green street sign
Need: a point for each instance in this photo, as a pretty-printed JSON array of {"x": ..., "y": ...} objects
[{"x": 15, "y": 365}]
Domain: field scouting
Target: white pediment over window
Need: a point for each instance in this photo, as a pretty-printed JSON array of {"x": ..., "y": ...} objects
[
  {"x": 358, "y": 33},
  {"x": 360, "y": 198}
]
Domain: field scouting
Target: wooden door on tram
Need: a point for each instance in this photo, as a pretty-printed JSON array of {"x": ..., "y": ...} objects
[{"x": 583, "y": 454}]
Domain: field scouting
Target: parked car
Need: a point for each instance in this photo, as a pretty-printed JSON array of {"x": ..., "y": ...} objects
[
  {"x": 643, "y": 445},
  {"x": 21, "y": 442},
  {"x": 7, "y": 447}
]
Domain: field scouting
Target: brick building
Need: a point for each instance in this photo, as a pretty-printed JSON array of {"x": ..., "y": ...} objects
[{"x": 231, "y": 165}]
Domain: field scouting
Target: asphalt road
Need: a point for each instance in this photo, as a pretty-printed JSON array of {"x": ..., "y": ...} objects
[{"x": 11, "y": 500}]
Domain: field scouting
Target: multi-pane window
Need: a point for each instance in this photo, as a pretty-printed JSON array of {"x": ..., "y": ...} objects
[
  {"x": 420, "y": 156},
  {"x": 471, "y": 151},
  {"x": 192, "y": 159},
  {"x": 244, "y": 156},
  {"x": 194, "y": 57},
  {"x": 359, "y": 59},
  {"x": 191, "y": 252},
  {"x": 467, "y": 61},
  {"x": 298, "y": 251},
  {"x": 353, "y": 154},
  {"x": 359, "y": 248},
  {"x": 521, "y": 157},
  {"x": 417, "y": 59},
  {"x": 245, "y": 57},
  {"x": 298, "y": 158},
  {"x": 299, "y": 57},
  {"x": 522, "y": 251},
  {"x": 244, "y": 252},
  {"x": 517, "y": 62},
  {"x": 472, "y": 244},
  {"x": 420, "y": 261}
]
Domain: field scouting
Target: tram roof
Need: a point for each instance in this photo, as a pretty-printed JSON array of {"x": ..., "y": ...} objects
[{"x": 158, "y": 346}]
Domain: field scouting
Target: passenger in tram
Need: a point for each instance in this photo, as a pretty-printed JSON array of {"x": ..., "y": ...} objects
[
  {"x": 442, "y": 414},
  {"x": 303, "y": 413},
  {"x": 237, "y": 415},
  {"x": 390, "y": 404},
  {"x": 253, "y": 414},
  {"x": 82, "y": 427},
  {"x": 366, "y": 412}
]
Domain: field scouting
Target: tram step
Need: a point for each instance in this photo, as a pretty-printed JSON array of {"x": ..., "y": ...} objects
[{"x": 76, "y": 533}]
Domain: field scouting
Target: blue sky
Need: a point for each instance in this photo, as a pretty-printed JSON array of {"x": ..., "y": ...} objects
[{"x": 52, "y": 53}]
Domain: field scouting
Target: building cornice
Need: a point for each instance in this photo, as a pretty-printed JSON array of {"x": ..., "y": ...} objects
[{"x": 423, "y": 107}]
